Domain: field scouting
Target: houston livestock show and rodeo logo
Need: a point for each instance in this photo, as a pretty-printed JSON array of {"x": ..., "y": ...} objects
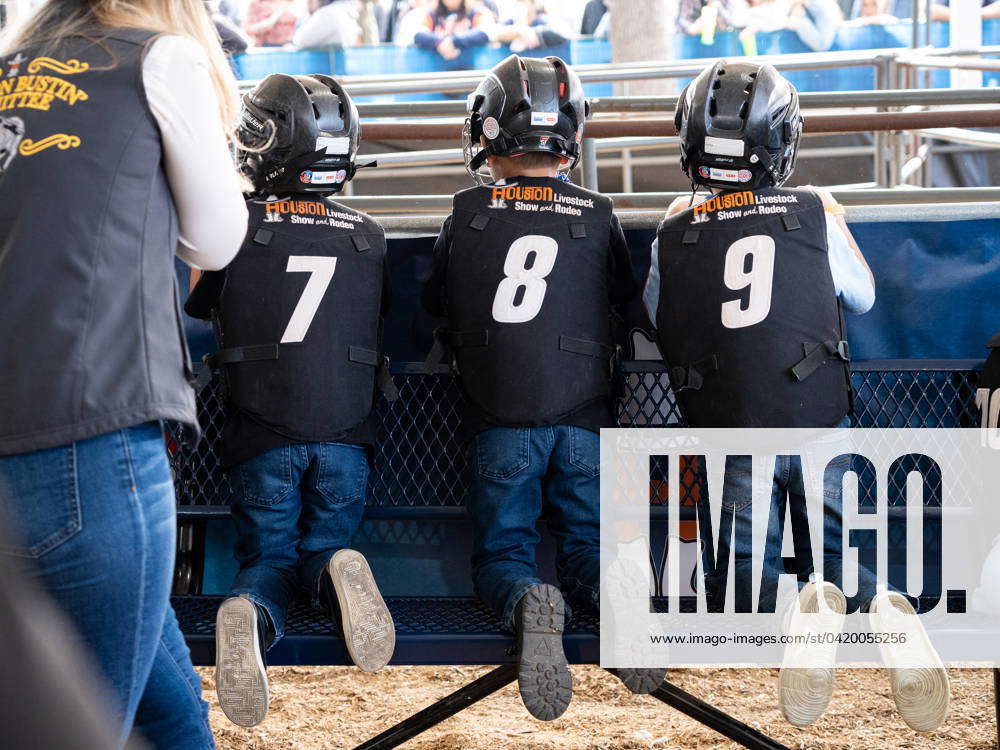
[{"x": 29, "y": 87}]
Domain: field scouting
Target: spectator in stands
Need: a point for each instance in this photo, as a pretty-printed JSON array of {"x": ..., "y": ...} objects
[
  {"x": 270, "y": 23},
  {"x": 448, "y": 27},
  {"x": 234, "y": 42},
  {"x": 593, "y": 12},
  {"x": 338, "y": 23},
  {"x": 814, "y": 21},
  {"x": 530, "y": 28},
  {"x": 704, "y": 18},
  {"x": 873, "y": 12}
]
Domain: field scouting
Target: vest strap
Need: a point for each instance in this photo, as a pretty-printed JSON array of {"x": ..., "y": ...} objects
[
  {"x": 817, "y": 354},
  {"x": 692, "y": 376},
  {"x": 385, "y": 382},
  {"x": 239, "y": 354},
  {"x": 360, "y": 242},
  {"x": 587, "y": 348},
  {"x": 263, "y": 237},
  {"x": 363, "y": 356},
  {"x": 690, "y": 237},
  {"x": 479, "y": 222},
  {"x": 791, "y": 222},
  {"x": 437, "y": 353},
  {"x": 577, "y": 230}
]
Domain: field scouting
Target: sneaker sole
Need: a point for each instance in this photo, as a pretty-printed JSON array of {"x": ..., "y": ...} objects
[
  {"x": 805, "y": 692},
  {"x": 240, "y": 675},
  {"x": 543, "y": 676},
  {"x": 369, "y": 633},
  {"x": 917, "y": 675}
]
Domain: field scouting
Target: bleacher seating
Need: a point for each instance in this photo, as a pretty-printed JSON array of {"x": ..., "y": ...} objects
[{"x": 397, "y": 59}]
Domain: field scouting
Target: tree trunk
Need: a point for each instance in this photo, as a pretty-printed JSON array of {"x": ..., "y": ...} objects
[{"x": 641, "y": 31}]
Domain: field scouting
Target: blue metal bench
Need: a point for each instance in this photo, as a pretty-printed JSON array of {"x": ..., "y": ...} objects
[{"x": 418, "y": 481}]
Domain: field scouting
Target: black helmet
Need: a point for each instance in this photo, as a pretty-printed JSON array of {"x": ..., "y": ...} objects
[
  {"x": 298, "y": 134},
  {"x": 523, "y": 105},
  {"x": 739, "y": 126}
]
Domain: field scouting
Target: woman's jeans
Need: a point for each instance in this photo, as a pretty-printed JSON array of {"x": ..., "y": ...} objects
[
  {"x": 97, "y": 521},
  {"x": 517, "y": 473},
  {"x": 295, "y": 507}
]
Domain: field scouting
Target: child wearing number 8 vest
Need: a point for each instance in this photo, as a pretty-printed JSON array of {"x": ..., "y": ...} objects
[{"x": 526, "y": 271}]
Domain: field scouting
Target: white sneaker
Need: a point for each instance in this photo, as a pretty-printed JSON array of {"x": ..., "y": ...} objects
[
  {"x": 916, "y": 673},
  {"x": 807, "y": 678},
  {"x": 240, "y": 672}
]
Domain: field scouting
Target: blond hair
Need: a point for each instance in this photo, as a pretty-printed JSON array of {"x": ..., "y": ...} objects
[{"x": 58, "y": 19}]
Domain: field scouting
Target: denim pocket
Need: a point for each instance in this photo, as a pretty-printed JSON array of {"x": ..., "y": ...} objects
[
  {"x": 737, "y": 485},
  {"x": 38, "y": 492},
  {"x": 342, "y": 473},
  {"x": 266, "y": 479},
  {"x": 502, "y": 452},
  {"x": 585, "y": 451}
]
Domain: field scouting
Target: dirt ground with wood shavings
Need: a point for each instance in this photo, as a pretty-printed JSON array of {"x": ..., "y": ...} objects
[{"x": 315, "y": 708}]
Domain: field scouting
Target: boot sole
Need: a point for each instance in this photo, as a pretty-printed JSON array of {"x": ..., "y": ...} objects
[
  {"x": 641, "y": 681},
  {"x": 240, "y": 675},
  {"x": 805, "y": 692},
  {"x": 369, "y": 633},
  {"x": 917, "y": 675},
  {"x": 543, "y": 676}
]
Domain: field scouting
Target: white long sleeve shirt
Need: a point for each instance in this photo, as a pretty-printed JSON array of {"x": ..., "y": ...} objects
[{"x": 199, "y": 166}]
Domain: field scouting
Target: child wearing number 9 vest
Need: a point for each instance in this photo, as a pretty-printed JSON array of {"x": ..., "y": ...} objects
[
  {"x": 526, "y": 271},
  {"x": 299, "y": 315}
]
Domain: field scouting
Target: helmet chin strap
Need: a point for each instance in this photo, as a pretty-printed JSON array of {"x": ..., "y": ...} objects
[{"x": 765, "y": 161}]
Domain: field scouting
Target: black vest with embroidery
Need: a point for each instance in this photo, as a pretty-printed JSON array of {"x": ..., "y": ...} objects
[
  {"x": 299, "y": 318},
  {"x": 749, "y": 321},
  {"x": 92, "y": 340},
  {"x": 527, "y": 298}
]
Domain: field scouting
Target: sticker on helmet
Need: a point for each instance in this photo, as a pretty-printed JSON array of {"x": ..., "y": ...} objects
[
  {"x": 323, "y": 178},
  {"x": 491, "y": 128},
  {"x": 703, "y": 172},
  {"x": 745, "y": 175},
  {"x": 543, "y": 140},
  {"x": 544, "y": 118},
  {"x": 723, "y": 146},
  {"x": 334, "y": 146},
  {"x": 727, "y": 175}
]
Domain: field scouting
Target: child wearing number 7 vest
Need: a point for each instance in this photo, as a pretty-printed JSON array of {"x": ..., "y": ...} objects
[{"x": 526, "y": 271}]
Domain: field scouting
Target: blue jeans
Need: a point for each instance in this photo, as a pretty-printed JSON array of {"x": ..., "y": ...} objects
[
  {"x": 788, "y": 478},
  {"x": 295, "y": 507},
  {"x": 97, "y": 523},
  {"x": 517, "y": 473}
]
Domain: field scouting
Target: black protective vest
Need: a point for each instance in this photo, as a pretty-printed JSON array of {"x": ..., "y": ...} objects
[
  {"x": 91, "y": 340},
  {"x": 527, "y": 298},
  {"x": 749, "y": 321},
  {"x": 988, "y": 387},
  {"x": 299, "y": 317}
]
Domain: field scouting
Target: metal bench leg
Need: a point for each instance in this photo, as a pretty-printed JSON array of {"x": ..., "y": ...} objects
[
  {"x": 446, "y": 707},
  {"x": 713, "y": 718}
]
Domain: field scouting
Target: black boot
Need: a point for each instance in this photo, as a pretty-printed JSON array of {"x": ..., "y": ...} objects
[
  {"x": 641, "y": 681},
  {"x": 351, "y": 597},
  {"x": 543, "y": 676},
  {"x": 242, "y": 635}
]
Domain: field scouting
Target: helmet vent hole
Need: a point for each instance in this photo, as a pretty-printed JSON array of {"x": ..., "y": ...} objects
[
  {"x": 721, "y": 72},
  {"x": 743, "y": 110},
  {"x": 713, "y": 108},
  {"x": 716, "y": 84},
  {"x": 315, "y": 110}
]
